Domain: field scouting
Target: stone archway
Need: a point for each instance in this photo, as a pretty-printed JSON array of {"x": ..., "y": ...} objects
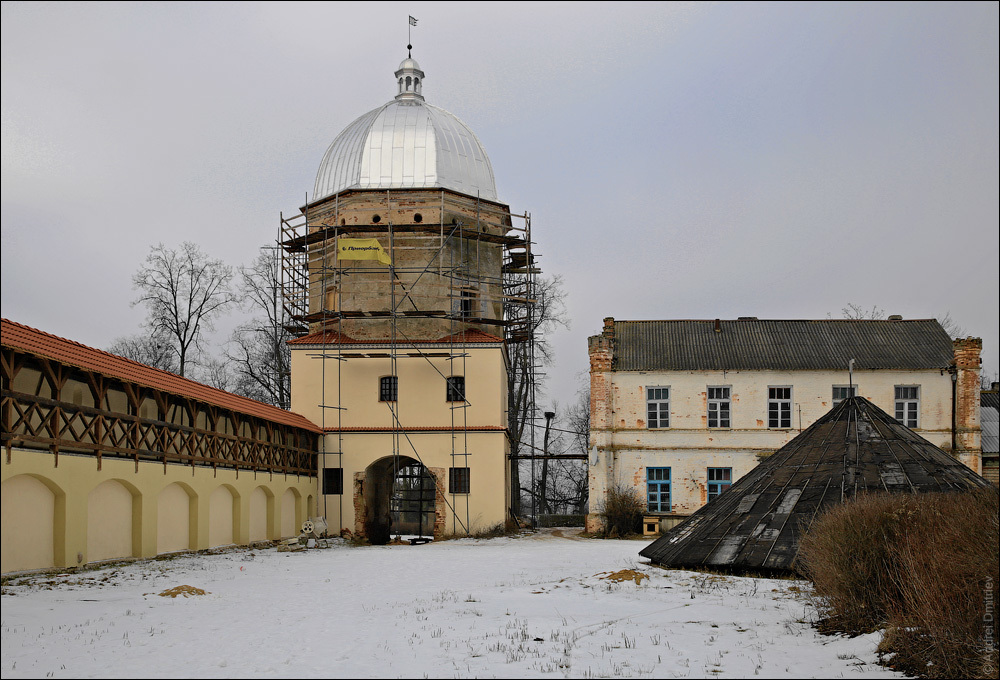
[{"x": 398, "y": 495}]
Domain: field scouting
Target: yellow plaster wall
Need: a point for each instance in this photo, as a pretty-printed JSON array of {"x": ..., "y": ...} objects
[
  {"x": 422, "y": 387},
  {"x": 29, "y": 509},
  {"x": 221, "y": 517},
  {"x": 109, "y": 521},
  {"x": 46, "y": 512},
  {"x": 483, "y": 507},
  {"x": 173, "y": 519}
]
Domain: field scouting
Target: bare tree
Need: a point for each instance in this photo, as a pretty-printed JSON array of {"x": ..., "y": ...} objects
[
  {"x": 218, "y": 373},
  {"x": 563, "y": 487},
  {"x": 855, "y": 311},
  {"x": 258, "y": 351},
  {"x": 183, "y": 292},
  {"x": 152, "y": 350},
  {"x": 579, "y": 427},
  {"x": 548, "y": 312},
  {"x": 950, "y": 326}
]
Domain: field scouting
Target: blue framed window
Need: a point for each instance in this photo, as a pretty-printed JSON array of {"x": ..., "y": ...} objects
[
  {"x": 658, "y": 489},
  {"x": 719, "y": 479}
]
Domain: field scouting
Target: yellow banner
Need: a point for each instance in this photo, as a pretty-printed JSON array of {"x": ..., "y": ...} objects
[{"x": 361, "y": 249}]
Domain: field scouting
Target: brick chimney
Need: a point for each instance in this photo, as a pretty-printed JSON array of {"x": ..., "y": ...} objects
[
  {"x": 967, "y": 429},
  {"x": 601, "y": 351}
]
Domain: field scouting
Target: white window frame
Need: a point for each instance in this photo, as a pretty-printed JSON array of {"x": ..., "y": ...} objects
[
  {"x": 715, "y": 399},
  {"x": 778, "y": 402},
  {"x": 657, "y": 407},
  {"x": 853, "y": 391},
  {"x": 907, "y": 403}
]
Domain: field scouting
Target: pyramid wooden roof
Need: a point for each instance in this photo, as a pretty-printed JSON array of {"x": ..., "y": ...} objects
[{"x": 855, "y": 448}]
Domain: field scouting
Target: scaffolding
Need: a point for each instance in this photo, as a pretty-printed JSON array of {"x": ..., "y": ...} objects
[{"x": 468, "y": 266}]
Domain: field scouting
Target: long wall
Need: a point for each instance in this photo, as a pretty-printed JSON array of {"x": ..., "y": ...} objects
[{"x": 84, "y": 510}]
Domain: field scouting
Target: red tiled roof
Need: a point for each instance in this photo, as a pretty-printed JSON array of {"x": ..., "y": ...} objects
[
  {"x": 425, "y": 428},
  {"x": 337, "y": 338},
  {"x": 34, "y": 341}
]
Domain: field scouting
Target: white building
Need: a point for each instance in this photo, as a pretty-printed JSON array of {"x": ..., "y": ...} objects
[{"x": 682, "y": 409}]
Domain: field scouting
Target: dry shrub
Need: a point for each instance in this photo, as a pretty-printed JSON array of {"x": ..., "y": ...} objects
[
  {"x": 936, "y": 596},
  {"x": 621, "y": 510},
  {"x": 849, "y": 553}
]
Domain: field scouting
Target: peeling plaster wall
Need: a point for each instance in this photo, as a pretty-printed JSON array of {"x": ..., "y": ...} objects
[{"x": 622, "y": 447}]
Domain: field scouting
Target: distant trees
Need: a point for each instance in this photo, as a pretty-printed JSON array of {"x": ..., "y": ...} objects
[
  {"x": 153, "y": 350},
  {"x": 258, "y": 353},
  {"x": 183, "y": 292},
  {"x": 856, "y": 311},
  {"x": 547, "y": 312}
]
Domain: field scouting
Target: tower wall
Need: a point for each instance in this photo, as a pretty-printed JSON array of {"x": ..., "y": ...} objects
[{"x": 446, "y": 254}]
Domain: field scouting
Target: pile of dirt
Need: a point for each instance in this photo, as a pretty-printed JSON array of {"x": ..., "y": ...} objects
[
  {"x": 186, "y": 591},
  {"x": 625, "y": 575}
]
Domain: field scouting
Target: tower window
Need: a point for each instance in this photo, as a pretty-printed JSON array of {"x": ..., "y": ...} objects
[
  {"x": 459, "y": 480},
  {"x": 376, "y": 219},
  {"x": 418, "y": 218},
  {"x": 333, "y": 481},
  {"x": 388, "y": 387},
  {"x": 456, "y": 388}
]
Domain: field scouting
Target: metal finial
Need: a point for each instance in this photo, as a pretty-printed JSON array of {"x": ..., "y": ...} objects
[{"x": 408, "y": 48}]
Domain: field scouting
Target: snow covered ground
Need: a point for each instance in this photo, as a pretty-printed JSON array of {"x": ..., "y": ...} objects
[{"x": 537, "y": 605}]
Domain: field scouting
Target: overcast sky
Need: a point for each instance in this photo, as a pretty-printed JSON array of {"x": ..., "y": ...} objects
[{"x": 679, "y": 161}]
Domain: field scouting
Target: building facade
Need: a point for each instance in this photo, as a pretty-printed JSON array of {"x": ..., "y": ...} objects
[{"x": 680, "y": 410}]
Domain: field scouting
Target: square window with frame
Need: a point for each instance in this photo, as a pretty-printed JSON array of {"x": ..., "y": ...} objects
[
  {"x": 459, "y": 480},
  {"x": 908, "y": 405},
  {"x": 333, "y": 481},
  {"x": 719, "y": 407},
  {"x": 455, "y": 388},
  {"x": 779, "y": 407},
  {"x": 658, "y": 489},
  {"x": 657, "y": 407},
  {"x": 388, "y": 388},
  {"x": 719, "y": 479},
  {"x": 841, "y": 392}
]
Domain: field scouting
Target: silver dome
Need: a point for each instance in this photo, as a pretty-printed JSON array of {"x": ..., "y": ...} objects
[{"x": 406, "y": 144}]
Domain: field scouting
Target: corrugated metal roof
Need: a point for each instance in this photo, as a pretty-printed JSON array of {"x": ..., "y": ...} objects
[
  {"x": 853, "y": 449},
  {"x": 33, "y": 341},
  {"x": 989, "y": 400},
  {"x": 989, "y": 422},
  {"x": 754, "y": 344}
]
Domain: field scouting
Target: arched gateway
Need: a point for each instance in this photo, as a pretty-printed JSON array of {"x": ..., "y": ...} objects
[{"x": 398, "y": 495}]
